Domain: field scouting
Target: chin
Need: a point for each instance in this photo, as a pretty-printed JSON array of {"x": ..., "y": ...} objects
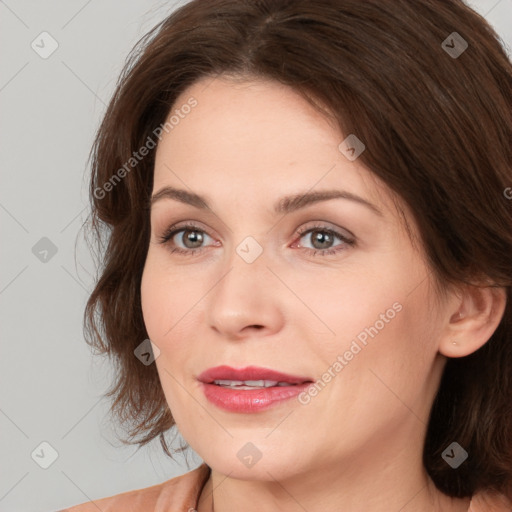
[{"x": 244, "y": 463}]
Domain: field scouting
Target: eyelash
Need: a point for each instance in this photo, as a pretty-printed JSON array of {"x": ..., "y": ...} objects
[{"x": 301, "y": 232}]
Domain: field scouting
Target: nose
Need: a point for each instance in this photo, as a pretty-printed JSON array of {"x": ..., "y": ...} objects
[{"x": 247, "y": 300}]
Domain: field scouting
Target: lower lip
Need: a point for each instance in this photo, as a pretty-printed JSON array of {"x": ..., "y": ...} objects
[{"x": 250, "y": 400}]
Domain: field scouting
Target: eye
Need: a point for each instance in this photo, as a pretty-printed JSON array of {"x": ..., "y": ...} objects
[
  {"x": 323, "y": 239},
  {"x": 192, "y": 237}
]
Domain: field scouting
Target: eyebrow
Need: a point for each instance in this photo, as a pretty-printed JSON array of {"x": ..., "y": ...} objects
[{"x": 285, "y": 204}]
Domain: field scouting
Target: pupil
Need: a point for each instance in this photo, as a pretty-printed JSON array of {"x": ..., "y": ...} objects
[
  {"x": 322, "y": 236},
  {"x": 194, "y": 237}
]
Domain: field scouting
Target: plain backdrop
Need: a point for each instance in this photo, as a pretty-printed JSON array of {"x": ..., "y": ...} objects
[{"x": 57, "y": 447}]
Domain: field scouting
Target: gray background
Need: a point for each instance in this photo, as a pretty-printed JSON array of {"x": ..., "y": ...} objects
[{"x": 50, "y": 383}]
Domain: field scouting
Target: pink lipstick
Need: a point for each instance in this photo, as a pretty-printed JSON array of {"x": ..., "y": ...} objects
[{"x": 250, "y": 389}]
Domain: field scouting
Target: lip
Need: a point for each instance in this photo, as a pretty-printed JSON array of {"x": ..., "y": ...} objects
[
  {"x": 250, "y": 400},
  {"x": 249, "y": 373}
]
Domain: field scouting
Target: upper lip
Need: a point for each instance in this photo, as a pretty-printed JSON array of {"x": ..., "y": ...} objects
[{"x": 248, "y": 373}]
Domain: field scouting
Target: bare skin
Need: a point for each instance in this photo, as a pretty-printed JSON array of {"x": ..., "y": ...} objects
[{"x": 357, "y": 445}]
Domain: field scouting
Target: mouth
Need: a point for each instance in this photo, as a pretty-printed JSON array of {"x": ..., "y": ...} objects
[
  {"x": 251, "y": 377},
  {"x": 250, "y": 384},
  {"x": 251, "y": 389}
]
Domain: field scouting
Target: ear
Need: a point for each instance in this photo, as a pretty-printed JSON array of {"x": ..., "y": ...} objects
[{"x": 472, "y": 316}]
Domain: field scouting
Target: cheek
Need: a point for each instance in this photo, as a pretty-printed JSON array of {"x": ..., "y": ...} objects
[
  {"x": 160, "y": 301},
  {"x": 355, "y": 306},
  {"x": 161, "y": 309},
  {"x": 377, "y": 373},
  {"x": 164, "y": 295},
  {"x": 396, "y": 356},
  {"x": 169, "y": 301},
  {"x": 378, "y": 324}
]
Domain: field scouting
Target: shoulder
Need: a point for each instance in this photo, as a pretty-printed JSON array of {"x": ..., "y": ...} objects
[
  {"x": 486, "y": 501},
  {"x": 177, "y": 493}
]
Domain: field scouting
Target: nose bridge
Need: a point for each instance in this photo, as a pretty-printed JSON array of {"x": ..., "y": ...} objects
[
  {"x": 248, "y": 273},
  {"x": 250, "y": 250}
]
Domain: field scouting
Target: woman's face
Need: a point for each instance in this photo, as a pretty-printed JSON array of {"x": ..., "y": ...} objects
[{"x": 281, "y": 290}]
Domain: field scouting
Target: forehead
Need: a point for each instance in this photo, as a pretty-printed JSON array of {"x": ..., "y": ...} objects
[{"x": 259, "y": 138}]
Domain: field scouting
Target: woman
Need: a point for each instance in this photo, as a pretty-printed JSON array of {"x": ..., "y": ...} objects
[{"x": 307, "y": 268}]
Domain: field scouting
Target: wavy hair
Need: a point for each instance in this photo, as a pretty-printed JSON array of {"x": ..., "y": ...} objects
[{"x": 436, "y": 119}]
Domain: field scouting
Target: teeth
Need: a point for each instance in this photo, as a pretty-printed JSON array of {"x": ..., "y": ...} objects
[
  {"x": 260, "y": 383},
  {"x": 247, "y": 384}
]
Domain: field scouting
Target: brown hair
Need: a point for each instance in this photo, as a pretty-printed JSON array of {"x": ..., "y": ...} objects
[{"x": 438, "y": 131}]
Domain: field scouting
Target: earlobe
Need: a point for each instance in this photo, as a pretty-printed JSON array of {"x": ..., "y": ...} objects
[{"x": 473, "y": 317}]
